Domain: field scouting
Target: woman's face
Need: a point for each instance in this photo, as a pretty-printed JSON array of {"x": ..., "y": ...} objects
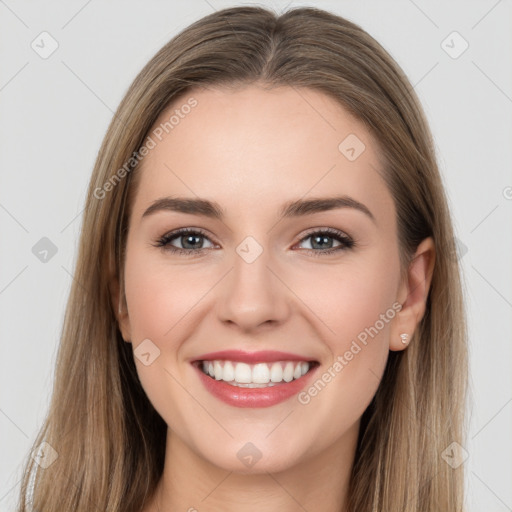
[{"x": 254, "y": 280}]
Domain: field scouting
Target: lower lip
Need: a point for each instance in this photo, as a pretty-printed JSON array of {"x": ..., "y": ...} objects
[{"x": 254, "y": 397}]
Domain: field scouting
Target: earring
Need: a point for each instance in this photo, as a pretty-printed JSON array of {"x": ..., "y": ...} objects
[{"x": 405, "y": 338}]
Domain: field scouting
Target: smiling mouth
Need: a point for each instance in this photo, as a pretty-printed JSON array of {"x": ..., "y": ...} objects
[{"x": 259, "y": 375}]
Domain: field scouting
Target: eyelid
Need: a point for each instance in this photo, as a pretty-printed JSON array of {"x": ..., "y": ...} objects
[
  {"x": 346, "y": 241},
  {"x": 176, "y": 233},
  {"x": 332, "y": 231}
]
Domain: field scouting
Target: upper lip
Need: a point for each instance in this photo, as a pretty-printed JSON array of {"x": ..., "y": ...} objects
[{"x": 262, "y": 356}]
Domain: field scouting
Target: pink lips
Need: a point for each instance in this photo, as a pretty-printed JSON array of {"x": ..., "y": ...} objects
[
  {"x": 263, "y": 356},
  {"x": 253, "y": 397}
]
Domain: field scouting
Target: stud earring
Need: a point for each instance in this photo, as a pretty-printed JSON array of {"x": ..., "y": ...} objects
[{"x": 405, "y": 338}]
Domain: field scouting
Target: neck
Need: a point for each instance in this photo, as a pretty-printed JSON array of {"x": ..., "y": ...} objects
[{"x": 190, "y": 483}]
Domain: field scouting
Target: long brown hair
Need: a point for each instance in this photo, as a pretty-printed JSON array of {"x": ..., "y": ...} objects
[{"x": 109, "y": 439}]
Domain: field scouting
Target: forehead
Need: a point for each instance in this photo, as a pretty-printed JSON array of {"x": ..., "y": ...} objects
[{"x": 256, "y": 147}]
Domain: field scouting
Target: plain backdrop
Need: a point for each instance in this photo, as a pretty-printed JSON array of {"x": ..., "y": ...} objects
[{"x": 54, "y": 114}]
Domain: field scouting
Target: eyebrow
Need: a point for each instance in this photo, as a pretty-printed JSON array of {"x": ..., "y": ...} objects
[{"x": 296, "y": 208}]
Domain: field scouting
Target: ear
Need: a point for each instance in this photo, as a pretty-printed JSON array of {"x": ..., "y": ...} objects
[
  {"x": 412, "y": 294},
  {"x": 120, "y": 308}
]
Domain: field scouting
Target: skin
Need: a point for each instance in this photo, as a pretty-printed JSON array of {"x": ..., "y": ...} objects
[{"x": 251, "y": 150}]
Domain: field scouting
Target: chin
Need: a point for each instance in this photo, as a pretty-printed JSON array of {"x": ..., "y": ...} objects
[{"x": 254, "y": 457}]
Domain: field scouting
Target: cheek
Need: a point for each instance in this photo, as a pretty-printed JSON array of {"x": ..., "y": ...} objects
[
  {"x": 164, "y": 302},
  {"x": 354, "y": 305},
  {"x": 362, "y": 302},
  {"x": 350, "y": 296},
  {"x": 160, "y": 305},
  {"x": 159, "y": 296}
]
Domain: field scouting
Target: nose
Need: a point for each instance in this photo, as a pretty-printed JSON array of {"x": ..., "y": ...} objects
[{"x": 252, "y": 294}]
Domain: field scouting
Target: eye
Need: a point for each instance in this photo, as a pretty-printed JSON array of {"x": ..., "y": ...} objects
[
  {"x": 189, "y": 238},
  {"x": 323, "y": 240}
]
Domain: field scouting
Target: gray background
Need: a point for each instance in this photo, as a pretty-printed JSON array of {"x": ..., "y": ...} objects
[{"x": 54, "y": 113}]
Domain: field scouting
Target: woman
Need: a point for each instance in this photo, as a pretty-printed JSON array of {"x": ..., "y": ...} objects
[{"x": 266, "y": 311}]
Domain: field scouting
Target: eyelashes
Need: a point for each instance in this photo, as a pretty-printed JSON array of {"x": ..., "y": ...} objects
[
  {"x": 318, "y": 235},
  {"x": 165, "y": 241}
]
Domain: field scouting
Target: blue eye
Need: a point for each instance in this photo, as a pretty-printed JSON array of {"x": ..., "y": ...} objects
[
  {"x": 321, "y": 239},
  {"x": 187, "y": 236},
  {"x": 193, "y": 238}
]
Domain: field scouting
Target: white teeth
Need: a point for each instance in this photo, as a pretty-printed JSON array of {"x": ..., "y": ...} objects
[
  {"x": 260, "y": 374},
  {"x": 276, "y": 372},
  {"x": 229, "y": 371},
  {"x": 243, "y": 373},
  {"x": 288, "y": 372},
  {"x": 217, "y": 368},
  {"x": 256, "y": 375},
  {"x": 251, "y": 385}
]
